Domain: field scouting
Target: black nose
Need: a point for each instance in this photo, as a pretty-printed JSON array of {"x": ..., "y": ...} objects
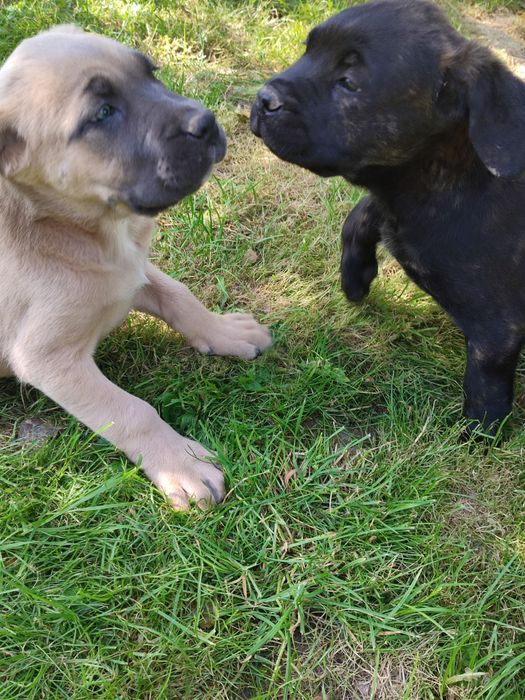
[
  {"x": 201, "y": 125},
  {"x": 269, "y": 99}
]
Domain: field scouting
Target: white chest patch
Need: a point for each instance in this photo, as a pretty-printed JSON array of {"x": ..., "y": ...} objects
[{"x": 128, "y": 255}]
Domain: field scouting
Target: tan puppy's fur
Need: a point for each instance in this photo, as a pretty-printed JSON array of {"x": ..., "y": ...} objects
[{"x": 74, "y": 261}]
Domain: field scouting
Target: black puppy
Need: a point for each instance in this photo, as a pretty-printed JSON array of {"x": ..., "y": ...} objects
[{"x": 389, "y": 96}]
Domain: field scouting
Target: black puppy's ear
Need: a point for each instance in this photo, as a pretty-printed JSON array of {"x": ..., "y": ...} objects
[
  {"x": 495, "y": 102},
  {"x": 12, "y": 150}
]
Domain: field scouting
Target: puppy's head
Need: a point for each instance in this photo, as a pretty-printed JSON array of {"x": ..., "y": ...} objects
[
  {"x": 85, "y": 123},
  {"x": 380, "y": 79}
]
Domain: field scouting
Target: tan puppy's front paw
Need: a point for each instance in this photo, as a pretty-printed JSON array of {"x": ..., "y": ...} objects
[
  {"x": 237, "y": 335},
  {"x": 190, "y": 476}
]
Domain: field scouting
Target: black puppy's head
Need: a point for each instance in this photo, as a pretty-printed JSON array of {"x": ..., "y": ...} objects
[{"x": 379, "y": 79}]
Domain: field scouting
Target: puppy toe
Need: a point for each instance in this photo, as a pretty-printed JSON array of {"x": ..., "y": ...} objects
[
  {"x": 188, "y": 475},
  {"x": 205, "y": 486},
  {"x": 179, "y": 499},
  {"x": 214, "y": 489}
]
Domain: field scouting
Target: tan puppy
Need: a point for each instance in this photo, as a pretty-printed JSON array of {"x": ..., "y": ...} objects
[{"x": 91, "y": 147}]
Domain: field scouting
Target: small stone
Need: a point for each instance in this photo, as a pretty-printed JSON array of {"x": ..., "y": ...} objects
[
  {"x": 243, "y": 110},
  {"x": 251, "y": 256},
  {"x": 36, "y": 430}
]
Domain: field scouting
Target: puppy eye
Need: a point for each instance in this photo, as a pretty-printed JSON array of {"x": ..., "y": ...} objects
[
  {"x": 104, "y": 112},
  {"x": 348, "y": 84}
]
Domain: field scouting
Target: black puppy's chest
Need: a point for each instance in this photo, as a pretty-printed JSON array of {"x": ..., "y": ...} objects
[
  {"x": 439, "y": 230},
  {"x": 415, "y": 248},
  {"x": 458, "y": 249}
]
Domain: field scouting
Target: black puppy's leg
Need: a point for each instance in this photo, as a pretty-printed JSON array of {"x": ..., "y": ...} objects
[
  {"x": 489, "y": 381},
  {"x": 361, "y": 233}
]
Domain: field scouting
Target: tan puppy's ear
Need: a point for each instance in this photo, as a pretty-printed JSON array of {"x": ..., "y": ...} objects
[{"x": 12, "y": 151}]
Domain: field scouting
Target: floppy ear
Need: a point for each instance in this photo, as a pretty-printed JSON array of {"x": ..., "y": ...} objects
[
  {"x": 12, "y": 150},
  {"x": 495, "y": 103}
]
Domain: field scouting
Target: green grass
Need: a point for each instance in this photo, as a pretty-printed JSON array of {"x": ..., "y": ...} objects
[
  {"x": 362, "y": 550},
  {"x": 491, "y": 5}
]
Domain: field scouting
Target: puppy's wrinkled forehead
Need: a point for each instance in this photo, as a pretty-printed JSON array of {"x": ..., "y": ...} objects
[
  {"x": 383, "y": 25},
  {"x": 64, "y": 59},
  {"x": 49, "y": 80}
]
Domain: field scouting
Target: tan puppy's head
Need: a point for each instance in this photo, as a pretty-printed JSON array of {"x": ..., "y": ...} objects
[{"x": 86, "y": 127}]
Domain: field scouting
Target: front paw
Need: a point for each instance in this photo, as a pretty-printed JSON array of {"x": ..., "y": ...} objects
[
  {"x": 356, "y": 276},
  {"x": 186, "y": 474},
  {"x": 481, "y": 431},
  {"x": 237, "y": 335}
]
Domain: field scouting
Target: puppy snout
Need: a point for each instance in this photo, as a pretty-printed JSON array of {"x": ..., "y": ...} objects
[
  {"x": 269, "y": 99},
  {"x": 201, "y": 125}
]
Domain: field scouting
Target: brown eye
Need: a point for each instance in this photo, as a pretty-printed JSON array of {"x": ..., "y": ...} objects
[{"x": 348, "y": 84}]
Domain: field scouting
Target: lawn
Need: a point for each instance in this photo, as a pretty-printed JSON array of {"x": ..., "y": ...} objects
[{"x": 362, "y": 551}]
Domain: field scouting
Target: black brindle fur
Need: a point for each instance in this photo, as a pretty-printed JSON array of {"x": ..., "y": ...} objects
[{"x": 391, "y": 97}]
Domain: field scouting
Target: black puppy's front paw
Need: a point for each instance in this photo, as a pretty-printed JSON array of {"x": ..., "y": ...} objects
[
  {"x": 478, "y": 433},
  {"x": 357, "y": 275},
  {"x": 360, "y": 236},
  {"x": 488, "y": 431}
]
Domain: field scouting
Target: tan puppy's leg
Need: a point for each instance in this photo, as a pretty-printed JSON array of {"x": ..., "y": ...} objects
[
  {"x": 236, "y": 334},
  {"x": 178, "y": 466}
]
